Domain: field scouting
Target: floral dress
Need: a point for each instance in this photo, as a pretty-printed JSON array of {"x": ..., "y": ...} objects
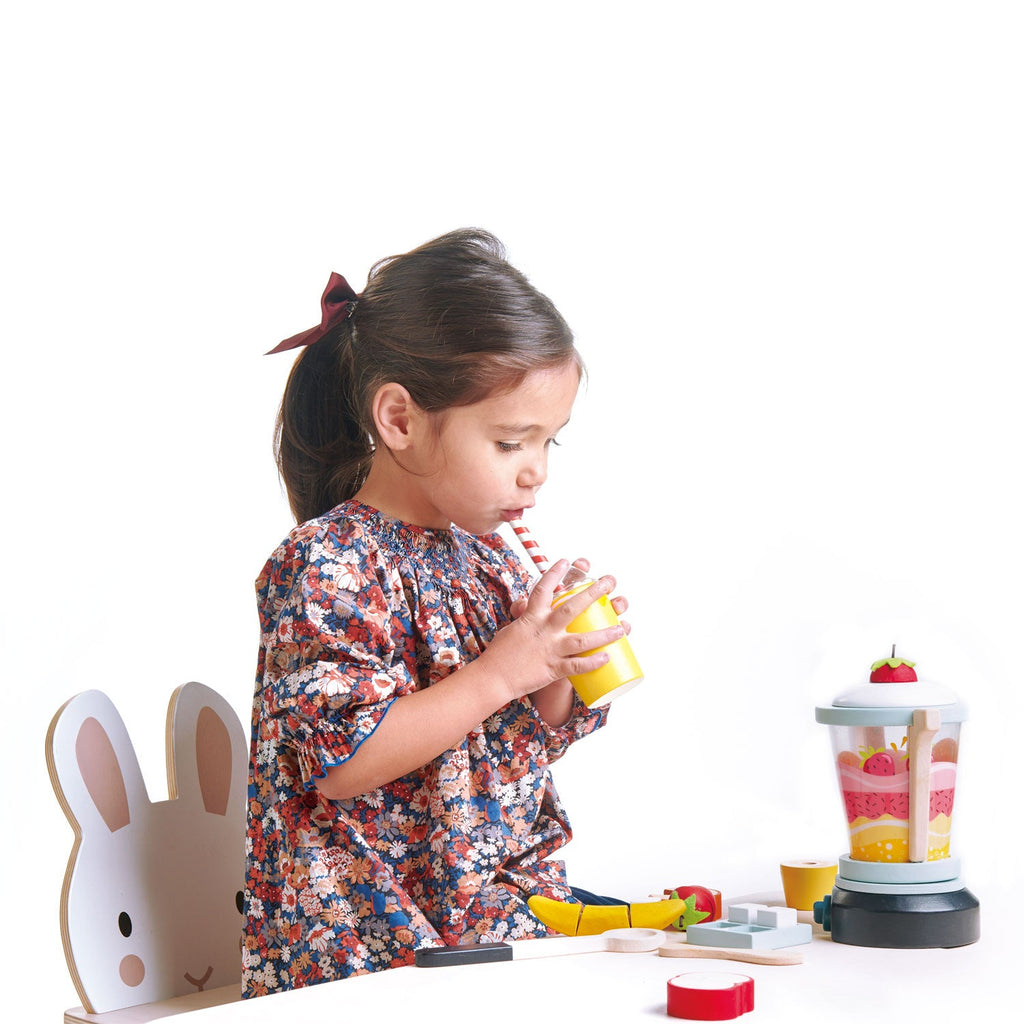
[{"x": 357, "y": 609}]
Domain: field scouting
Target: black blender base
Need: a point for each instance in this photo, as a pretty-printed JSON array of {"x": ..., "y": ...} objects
[{"x": 925, "y": 921}]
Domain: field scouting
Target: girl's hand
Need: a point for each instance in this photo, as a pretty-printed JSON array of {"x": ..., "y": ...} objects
[
  {"x": 536, "y": 649},
  {"x": 619, "y": 603}
]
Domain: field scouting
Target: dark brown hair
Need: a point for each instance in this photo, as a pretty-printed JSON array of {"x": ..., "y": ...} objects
[{"x": 452, "y": 321}]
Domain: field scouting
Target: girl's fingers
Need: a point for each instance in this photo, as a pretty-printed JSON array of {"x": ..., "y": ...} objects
[
  {"x": 580, "y": 666},
  {"x": 578, "y": 644},
  {"x": 544, "y": 589},
  {"x": 568, "y": 653},
  {"x": 578, "y": 572},
  {"x": 579, "y": 603}
]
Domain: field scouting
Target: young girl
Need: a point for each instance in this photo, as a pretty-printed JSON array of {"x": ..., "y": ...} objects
[{"x": 411, "y": 690}]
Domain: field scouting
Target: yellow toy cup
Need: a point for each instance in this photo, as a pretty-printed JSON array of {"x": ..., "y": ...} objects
[
  {"x": 622, "y": 672},
  {"x": 805, "y": 882}
]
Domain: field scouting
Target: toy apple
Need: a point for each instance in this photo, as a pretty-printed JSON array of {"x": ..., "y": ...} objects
[{"x": 699, "y": 904}]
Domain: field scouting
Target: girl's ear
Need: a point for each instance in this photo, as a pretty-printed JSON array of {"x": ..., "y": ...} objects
[{"x": 396, "y": 415}]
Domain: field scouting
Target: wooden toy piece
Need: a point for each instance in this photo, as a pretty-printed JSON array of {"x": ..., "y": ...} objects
[
  {"x": 767, "y": 957},
  {"x": 753, "y": 926},
  {"x": 617, "y": 940},
  {"x": 589, "y": 919},
  {"x": 893, "y": 670},
  {"x": 632, "y": 940},
  {"x": 699, "y": 996},
  {"x": 804, "y": 882},
  {"x": 146, "y": 1013},
  {"x": 151, "y": 907},
  {"x": 700, "y": 904},
  {"x": 926, "y": 723},
  {"x": 593, "y": 920},
  {"x": 659, "y": 914},
  {"x": 776, "y": 917}
]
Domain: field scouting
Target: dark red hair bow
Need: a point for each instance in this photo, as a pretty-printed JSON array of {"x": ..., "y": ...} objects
[{"x": 336, "y": 306}]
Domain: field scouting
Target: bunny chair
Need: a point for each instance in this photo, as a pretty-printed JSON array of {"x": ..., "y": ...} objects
[{"x": 151, "y": 907}]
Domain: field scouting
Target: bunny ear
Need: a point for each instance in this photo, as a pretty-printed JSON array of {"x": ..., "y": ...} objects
[
  {"x": 101, "y": 773},
  {"x": 205, "y": 749},
  {"x": 92, "y": 764}
]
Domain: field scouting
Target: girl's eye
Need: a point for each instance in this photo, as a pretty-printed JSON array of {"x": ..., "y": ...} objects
[{"x": 517, "y": 446}]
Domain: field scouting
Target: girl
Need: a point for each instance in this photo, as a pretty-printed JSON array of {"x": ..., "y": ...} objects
[{"x": 411, "y": 689}]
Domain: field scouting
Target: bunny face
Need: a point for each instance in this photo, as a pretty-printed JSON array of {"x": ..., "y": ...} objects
[{"x": 151, "y": 905}]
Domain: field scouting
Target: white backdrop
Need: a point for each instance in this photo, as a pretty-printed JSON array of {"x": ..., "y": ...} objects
[{"x": 788, "y": 237}]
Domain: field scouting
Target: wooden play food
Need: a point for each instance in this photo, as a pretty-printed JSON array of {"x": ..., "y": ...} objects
[
  {"x": 592, "y": 919},
  {"x": 702, "y": 996},
  {"x": 699, "y": 902}
]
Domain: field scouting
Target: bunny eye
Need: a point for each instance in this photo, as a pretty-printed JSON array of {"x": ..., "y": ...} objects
[
  {"x": 240, "y": 901},
  {"x": 124, "y": 924}
]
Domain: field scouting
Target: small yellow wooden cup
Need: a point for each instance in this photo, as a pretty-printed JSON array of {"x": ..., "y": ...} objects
[
  {"x": 622, "y": 672},
  {"x": 805, "y": 882}
]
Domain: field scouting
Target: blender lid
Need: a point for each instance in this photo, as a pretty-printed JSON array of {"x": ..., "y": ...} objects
[{"x": 891, "y": 704}]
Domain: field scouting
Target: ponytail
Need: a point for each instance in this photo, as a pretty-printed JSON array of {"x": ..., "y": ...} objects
[{"x": 323, "y": 452}]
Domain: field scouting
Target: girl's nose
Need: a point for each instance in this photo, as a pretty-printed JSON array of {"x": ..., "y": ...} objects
[{"x": 534, "y": 472}]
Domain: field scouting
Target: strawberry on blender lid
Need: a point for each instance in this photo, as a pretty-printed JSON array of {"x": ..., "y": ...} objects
[
  {"x": 894, "y": 688},
  {"x": 893, "y": 670}
]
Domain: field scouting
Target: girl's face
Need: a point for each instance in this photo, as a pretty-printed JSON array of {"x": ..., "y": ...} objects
[{"x": 488, "y": 460}]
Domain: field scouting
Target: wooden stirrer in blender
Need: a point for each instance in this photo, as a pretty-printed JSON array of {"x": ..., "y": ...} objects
[{"x": 926, "y": 723}]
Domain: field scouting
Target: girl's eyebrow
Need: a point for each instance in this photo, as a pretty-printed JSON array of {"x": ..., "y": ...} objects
[
  {"x": 522, "y": 428},
  {"x": 516, "y": 428}
]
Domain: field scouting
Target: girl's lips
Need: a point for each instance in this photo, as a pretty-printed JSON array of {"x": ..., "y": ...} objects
[{"x": 508, "y": 514}]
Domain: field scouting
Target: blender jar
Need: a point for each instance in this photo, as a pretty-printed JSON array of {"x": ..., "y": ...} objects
[
  {"x": 895, "y": 746},
  {"x": 873, "y": 767}
]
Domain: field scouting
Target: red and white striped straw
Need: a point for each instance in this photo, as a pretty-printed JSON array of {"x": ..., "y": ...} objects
[{"x": 531, "y": 546}]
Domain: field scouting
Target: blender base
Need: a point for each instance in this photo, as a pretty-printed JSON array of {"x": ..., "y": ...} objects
[{"x": 914, "y": 921}]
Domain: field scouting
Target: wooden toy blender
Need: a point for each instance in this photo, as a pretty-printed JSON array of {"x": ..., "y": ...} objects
[{"x": 895, "y": 741}]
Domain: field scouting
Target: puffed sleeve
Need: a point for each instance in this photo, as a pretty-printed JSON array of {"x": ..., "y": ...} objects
[
  {"x": 329, "y": 662},
  {"x": 582, "y": 722}
]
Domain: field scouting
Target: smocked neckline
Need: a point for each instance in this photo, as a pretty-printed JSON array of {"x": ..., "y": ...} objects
[
  {"x": 443, "y": 555},
  {"x": 396, "y": 524}
]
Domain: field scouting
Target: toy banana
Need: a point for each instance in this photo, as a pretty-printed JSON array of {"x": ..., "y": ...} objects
[{"x": 588, "y": 919}]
